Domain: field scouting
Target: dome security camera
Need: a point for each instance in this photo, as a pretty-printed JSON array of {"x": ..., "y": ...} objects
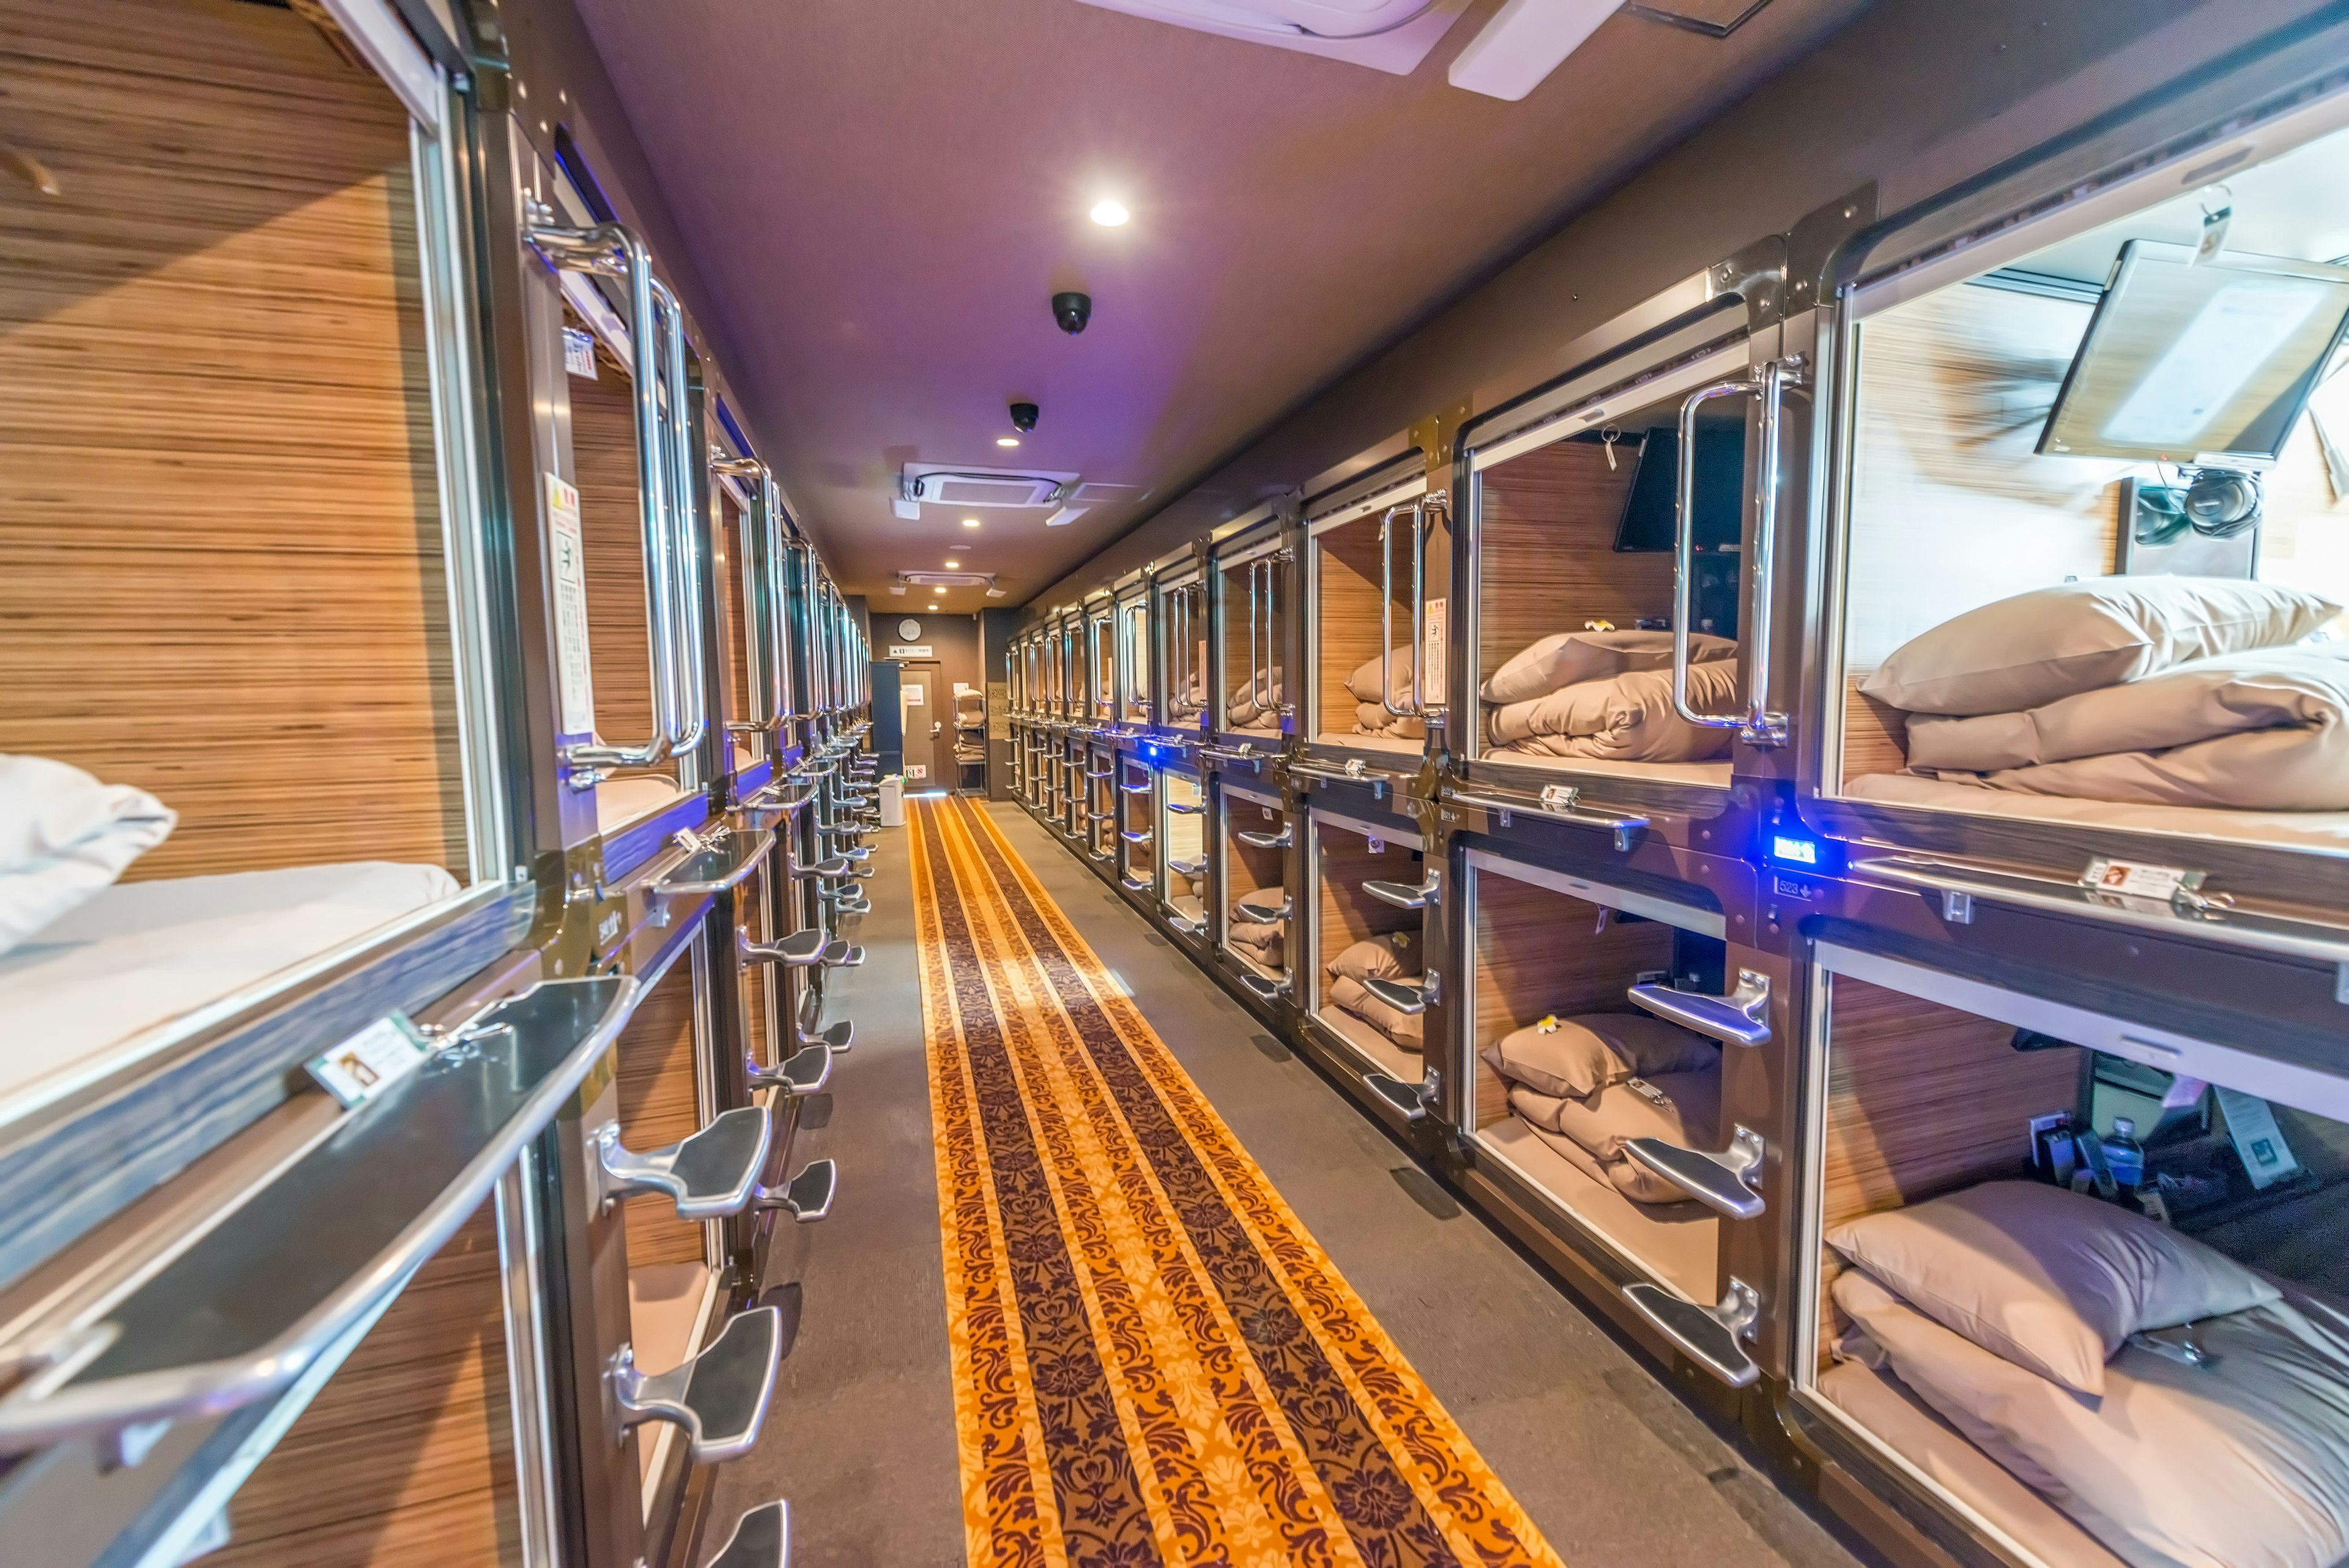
[
  {"x": 1023, "y": 417},
  {"x": 1073, "y": 310}
]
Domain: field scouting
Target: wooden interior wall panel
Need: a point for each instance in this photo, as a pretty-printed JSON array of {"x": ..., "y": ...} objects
[
  {"x": 1349, "y": 615},
  {"x": 1539, "y": 951},
  {"x": 1547, "y": 547},
  {"x": 406, "y": 1458},
  {"x": 619, "y": 636},
  {"x": 1246, "y": 868},
  {"x": 1950, "y": 507},
  {"x": 1875, "y": 736},
  {"x": 220, "y": 574},
  {"x": 752, "y": 906},
  {"x": 727, "y": 557},
  {"x": 1923, "y": 1099},
  {"x": 658, "y": 1106}
]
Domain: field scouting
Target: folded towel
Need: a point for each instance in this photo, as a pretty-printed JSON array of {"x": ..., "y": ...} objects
[{"x": 64, "y": 837}]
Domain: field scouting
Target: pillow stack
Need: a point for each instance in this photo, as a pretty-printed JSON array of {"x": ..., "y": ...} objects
[
  {"x": 1243, "y": 712},
  {"x": 1395, "y": 956},
  {"x": 1371, "y": 716},
  {"x": 1606, "y": 693},
  {"x": 2017, "y": 1311},
  {"x": 2198, "y": 691},
  {"x": 1588, "y": 1084},
  {"x": 1257, "y": 927}
]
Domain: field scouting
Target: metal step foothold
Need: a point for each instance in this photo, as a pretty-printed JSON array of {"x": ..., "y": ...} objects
[
  {"x": 835, "y": 1037},
  {"x": 807, "y": 1197},
  {"x": 1740, "y": 1018},
  {"x": 719, "y": 1397},
  {"x": 801, "y": 950},
  {"x": 1404, "y": 894},
  {"x": 803, "y": 1072},
  {"x": 1709, "y": 1336},
  {"x": 1404, "y": 999},
  {"x": 1728, "y": 1182},
  {"x": 708, "y": 1176},
  {"x": 1409, "y": 1098},
  {"x": 760, "y": 1539}
]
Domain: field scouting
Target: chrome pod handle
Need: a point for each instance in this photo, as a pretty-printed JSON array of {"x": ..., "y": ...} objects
[{"x": 1729, "y": 1182}]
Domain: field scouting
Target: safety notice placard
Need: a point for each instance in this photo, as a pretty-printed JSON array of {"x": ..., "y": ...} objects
[{"x": 566, "y": 556}]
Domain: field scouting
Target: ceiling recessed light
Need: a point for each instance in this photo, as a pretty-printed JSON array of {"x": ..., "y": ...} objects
[
  {"x": 1007, "y": 440},
  {"x": 970, "y": 522},
  {"x": 1110, "y": 215},
  {"x": 952, "y": 564}
]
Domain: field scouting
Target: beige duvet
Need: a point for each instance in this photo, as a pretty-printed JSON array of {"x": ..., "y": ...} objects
[
  {"x": 1629, "y": 718},
  {"x": 2262, "y": 730}
]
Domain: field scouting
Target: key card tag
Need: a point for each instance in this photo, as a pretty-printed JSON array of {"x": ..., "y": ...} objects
[{"x": 371, "y": 1061}]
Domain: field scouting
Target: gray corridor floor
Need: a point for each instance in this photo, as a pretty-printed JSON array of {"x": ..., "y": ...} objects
[{"x": 860, "y": 1438}]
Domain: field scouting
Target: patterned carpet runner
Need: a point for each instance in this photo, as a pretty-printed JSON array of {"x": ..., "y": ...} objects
[{"x": 1153, "y": 1362}]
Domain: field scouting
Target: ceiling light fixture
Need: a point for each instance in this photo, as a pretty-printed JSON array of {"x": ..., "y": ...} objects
[
  {"x": 952, "y": 564},
  {"x": 1110, "y": 215},
  {"x": 1007, "y": 440},
  {"x": 970, "y": 522}
]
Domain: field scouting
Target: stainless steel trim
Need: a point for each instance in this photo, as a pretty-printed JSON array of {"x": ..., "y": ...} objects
[
  {"x": 48, "y": 1406},
  {"x": 1684, "y": 553},
  {"x": 1621, "y": 824}
]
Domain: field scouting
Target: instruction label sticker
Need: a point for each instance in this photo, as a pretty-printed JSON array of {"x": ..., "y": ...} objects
[
  {"x": 568, "y": 557},
  {"x": 1430, "y": 657},
  {"x": 371, "y": 1061},
  {"x": 579, "y": 353}
]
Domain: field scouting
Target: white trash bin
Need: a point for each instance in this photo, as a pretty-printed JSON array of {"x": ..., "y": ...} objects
[{"x": 893, "y": 801}]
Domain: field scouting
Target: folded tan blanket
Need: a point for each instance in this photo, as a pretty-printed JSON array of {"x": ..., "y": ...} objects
[
  {"x": 1628, "y": 718},
  {"x": 2260, "y": 730},
  {"x": 1243, "y": 712},
  {"x": 1370, "y": 719},
  {"x": 1679, "y": 1107}
]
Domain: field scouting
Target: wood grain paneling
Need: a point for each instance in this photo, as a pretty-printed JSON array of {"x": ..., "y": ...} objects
[
  {"x": 1246, "y": 868},
  {"x": 619, "y": 636},
  {"x": 220, "y": 574},
  {"x": 1347, "y": 914},
  {"x": 658, "y": 1106},
  {"x": 1348, "y": 615},
  {"x": 1950, "y": 507},
  {"x": 1547, "y": 551},
  {"x": 406, "y": 1458},
  {"x": 1923, "y": 1099},
  {"x": 1539, "y": 951},
  {"x": 1875, "y": 736}
]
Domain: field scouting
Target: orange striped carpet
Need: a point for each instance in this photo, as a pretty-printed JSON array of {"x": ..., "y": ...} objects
[{"x": 1153, "y": 1362}]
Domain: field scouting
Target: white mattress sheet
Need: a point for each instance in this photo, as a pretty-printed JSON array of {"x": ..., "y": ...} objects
[
  {"x": 2322, "y": 830},
  {"x": 1900, "y": 1421},
  {"x": 78, "y": 996},
  {"x": 619, "y": 802}
]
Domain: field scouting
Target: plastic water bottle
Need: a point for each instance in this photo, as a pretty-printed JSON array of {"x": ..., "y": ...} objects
[{"x": 2125, "y": 1155}]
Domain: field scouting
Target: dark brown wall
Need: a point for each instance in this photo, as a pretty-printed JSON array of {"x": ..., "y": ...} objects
[{"x": 1915, "y": 96}]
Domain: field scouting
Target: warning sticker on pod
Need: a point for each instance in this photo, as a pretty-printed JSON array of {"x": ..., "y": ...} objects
[
  {"x": 371, "y": 1061},
  {"x": 566, "y": 556}
]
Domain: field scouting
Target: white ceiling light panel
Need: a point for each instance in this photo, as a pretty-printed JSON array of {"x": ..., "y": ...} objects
[
  {"x": 1390, "y": 35},
  {"x": 1523, "y": 42}
]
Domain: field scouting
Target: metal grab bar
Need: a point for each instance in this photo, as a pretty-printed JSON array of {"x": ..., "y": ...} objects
[
  {"x": 1356, "y": 772},
  {"x": 1253, "y": 665},
  {"x": 693, "y": 670},
  {"x": 609, "y": 250},
  {"x": 1563, "y": 808},
  {"x": 1757, "y": 726},
  {"x": 715, "y": 869},
  {"x": 336, "y": 1225},
  {"x": 1418, "y": 508},
  {"x": 764, "y": 592}
]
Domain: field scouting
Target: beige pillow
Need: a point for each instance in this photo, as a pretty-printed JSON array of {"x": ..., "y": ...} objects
[
  {"x": 1364, "y": 683},
  {"x": 2241, "y": 1462},
  {"x": 2035, "y": 647},
  {"x": 1390, "y": 956},
  {"x": 1569, "y": 658},
  {"x": 2050, "y": 1280},
  {"x": 1576, "y": 1057},
  {"x": 1405, "y": 1029},
  {"x": 1679, "y": 1107}
]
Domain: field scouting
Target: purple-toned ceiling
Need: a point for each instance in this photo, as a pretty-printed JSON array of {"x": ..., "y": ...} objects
[{"x": 883, "y": 195}]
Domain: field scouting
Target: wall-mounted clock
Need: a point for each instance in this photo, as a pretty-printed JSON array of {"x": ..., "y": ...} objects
[{"x": 910, "y": 628}]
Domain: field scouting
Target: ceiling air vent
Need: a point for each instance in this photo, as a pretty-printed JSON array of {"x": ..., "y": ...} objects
[
  {"x": 1385, "y": 34},
  {"x": 945, "y": 484}
]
